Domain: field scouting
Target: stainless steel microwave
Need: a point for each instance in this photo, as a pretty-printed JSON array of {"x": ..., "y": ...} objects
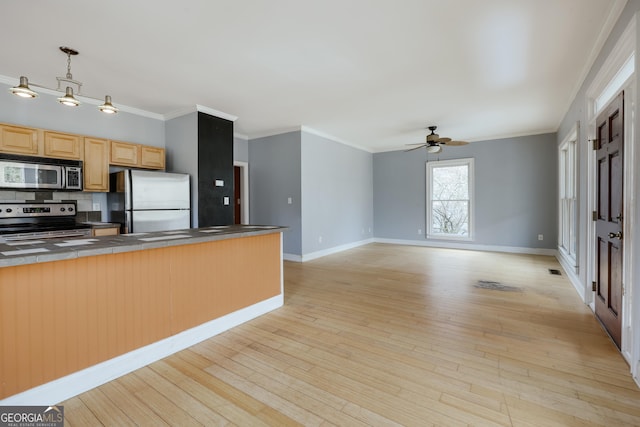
[{"x": 24, "y": 172}]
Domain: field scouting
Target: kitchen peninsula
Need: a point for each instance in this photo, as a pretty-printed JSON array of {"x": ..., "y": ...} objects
[{"x": 75, "y": 313}]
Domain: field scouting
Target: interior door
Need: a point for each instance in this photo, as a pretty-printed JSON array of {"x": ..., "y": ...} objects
[{"x": 609, "y": 219}]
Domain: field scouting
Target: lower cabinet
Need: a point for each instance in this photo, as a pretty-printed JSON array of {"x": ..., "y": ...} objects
[{"x": 106, "y": 231}]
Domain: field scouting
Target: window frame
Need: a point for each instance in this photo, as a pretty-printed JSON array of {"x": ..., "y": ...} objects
[
  {"x": 567, "y": 200},
  {"x": 430, "y": 166}
]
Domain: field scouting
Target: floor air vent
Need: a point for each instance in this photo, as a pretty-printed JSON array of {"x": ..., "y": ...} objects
[
  {"x": 495, "y": 286},
  {"x": 555, "y": 272}
]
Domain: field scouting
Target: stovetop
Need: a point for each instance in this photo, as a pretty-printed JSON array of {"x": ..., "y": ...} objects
[{"x": 36, "y": 217}]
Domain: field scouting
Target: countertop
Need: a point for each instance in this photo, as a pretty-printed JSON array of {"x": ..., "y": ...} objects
[{"x": 35, "y": 251}]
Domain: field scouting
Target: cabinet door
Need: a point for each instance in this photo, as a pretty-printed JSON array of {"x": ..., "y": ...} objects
[
  {"x": 96, "y": 164},
  {"x": 16, "y": 139},
  {"x": 62, "y": 145},
  {"x": 152, "y": 157},
  {"x": 125, "y": 154},
  {"x": 111, "y": 231}
]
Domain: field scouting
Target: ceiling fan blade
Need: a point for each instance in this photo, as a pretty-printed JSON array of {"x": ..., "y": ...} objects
[
  {"x": 455, "y": 143},
  {"x": 443, "y": 140},
  {"x": 416, "y": 143},
  {"x": 415, "y": 148}
]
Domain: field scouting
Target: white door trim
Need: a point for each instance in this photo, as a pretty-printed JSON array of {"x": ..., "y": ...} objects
[
  {"x": 244, "y": 181},
  {"x": 607, "y": 76}
]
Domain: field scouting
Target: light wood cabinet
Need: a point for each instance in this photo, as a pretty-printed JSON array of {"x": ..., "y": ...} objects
[
  {"x": 96, "y": 153},
  {"x": 107, "y": 231},
  {"x": 152, "y": 157},
  {"x": 19, "y": 140},
  {"x": 63, "y": 145},
  {"x": 142, "y": 156},
  {"x": 124, "y": 154},
  {"x": 96, "y": 164}
]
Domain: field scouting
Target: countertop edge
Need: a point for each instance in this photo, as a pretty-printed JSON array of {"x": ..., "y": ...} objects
[{"x": 122, "y": 243}]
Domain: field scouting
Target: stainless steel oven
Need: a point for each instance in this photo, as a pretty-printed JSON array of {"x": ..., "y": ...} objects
[
  {"x": 24, "y": 172},
  {"x": 21, "y": 221}
]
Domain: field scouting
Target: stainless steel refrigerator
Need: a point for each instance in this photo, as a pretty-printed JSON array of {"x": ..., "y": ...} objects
[{"x": 144, "y": 201}]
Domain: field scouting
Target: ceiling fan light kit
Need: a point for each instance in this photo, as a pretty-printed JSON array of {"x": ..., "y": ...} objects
[
  {"x": 433, "y": 142},
  {"x": 24, "y": 91}
]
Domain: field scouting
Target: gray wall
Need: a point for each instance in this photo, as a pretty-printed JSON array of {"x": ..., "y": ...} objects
[
  {"x": 515, "y": 191},
  {"x": 240, "y": 149},
  {"x": 578, "y": 112},
  {"x": 47, "y": 113},
  {"x": 337, "y": 194},
  {"x": 182, "y": 153},
  {"x": 274, "y": 176}
]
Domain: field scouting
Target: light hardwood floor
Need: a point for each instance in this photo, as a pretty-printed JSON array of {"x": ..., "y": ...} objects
[{"x": 386, "y": 335}]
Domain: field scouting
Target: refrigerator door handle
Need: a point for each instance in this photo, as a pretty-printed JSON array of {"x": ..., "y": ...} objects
[{"x": 128, "y": 224}]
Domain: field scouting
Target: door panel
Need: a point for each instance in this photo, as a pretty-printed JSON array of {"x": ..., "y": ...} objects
[
  {"x": 146, "y": 221},
  {"x": 609, "y": 224}
]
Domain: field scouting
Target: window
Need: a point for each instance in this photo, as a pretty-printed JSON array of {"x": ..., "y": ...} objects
[
  {"x": 450, "y": 199},
  {"x": 567, "y": 174}
]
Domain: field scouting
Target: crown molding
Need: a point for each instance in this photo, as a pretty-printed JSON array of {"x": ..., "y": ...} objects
[
  {"x": 274, "y": 132},
  {"x": 199, "y": 108},
  {"x": 333, "y": 138}
]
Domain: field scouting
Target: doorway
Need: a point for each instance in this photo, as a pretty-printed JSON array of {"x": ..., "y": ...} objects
[
  {"x": 617, "y": 74},
  {"x": 241, "y": 192}
]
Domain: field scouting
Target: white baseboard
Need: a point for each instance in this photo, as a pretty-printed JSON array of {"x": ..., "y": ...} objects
[
  {"x": 570, "y": 271},
  {"x": 325, "y": 252},
  {"x": 468, "y": 246},
  {"x": 71, "y": 385}
]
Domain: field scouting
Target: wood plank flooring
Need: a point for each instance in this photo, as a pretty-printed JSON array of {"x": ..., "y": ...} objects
[{"x": 386, "y": 335}]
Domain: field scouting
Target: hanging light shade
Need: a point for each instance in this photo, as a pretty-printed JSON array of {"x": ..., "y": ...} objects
[
  {"x": 68, "y": 98},
  {"x": 23, "y": 90},
  {"x": 108, "y": 107},
  {"x": 434, "y": 148}
]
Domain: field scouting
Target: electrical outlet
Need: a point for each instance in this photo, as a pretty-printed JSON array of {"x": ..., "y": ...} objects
[
  {"x": 226, "y": 201},
  {"x": 96, "y": 206},
  {"x": 540, "y": 237},
  {"x": 289, "y": 200},
  {"x": 420, "y": 231},
  {"x": 320, "y": 239}
]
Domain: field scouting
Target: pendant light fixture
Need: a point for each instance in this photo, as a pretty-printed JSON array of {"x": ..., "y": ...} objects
[
  {"x": 68, "y": 98},
  {"x": 108, "y": 107},
  {"x": 23, "y": 90}
]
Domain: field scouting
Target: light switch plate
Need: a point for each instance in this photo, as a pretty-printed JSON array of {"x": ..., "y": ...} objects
[{"x": 219, "y": 183}]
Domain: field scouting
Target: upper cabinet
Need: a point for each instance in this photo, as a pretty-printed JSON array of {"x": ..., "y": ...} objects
[
  {"x": 18, "y": 139},
  {"x": 152, "y": 157},
  {"x": 96, "y": 164},
  {"x": 96, "y": 153},
  {"x": 136, "y": 155},
  {"x": 124, "y": 154},
  {"x": 63, "y": 145}
]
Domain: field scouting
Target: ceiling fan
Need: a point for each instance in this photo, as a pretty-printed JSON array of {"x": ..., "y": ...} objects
[{"x": 434, "y": 142}]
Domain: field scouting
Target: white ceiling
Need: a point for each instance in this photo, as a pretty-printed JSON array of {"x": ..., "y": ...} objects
[{"x": 371, "y": 73}]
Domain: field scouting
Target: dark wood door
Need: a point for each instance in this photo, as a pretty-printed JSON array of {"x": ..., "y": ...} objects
[
  {"x": 237, "y": 194},
  {"x": 609, "y": 220}
]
